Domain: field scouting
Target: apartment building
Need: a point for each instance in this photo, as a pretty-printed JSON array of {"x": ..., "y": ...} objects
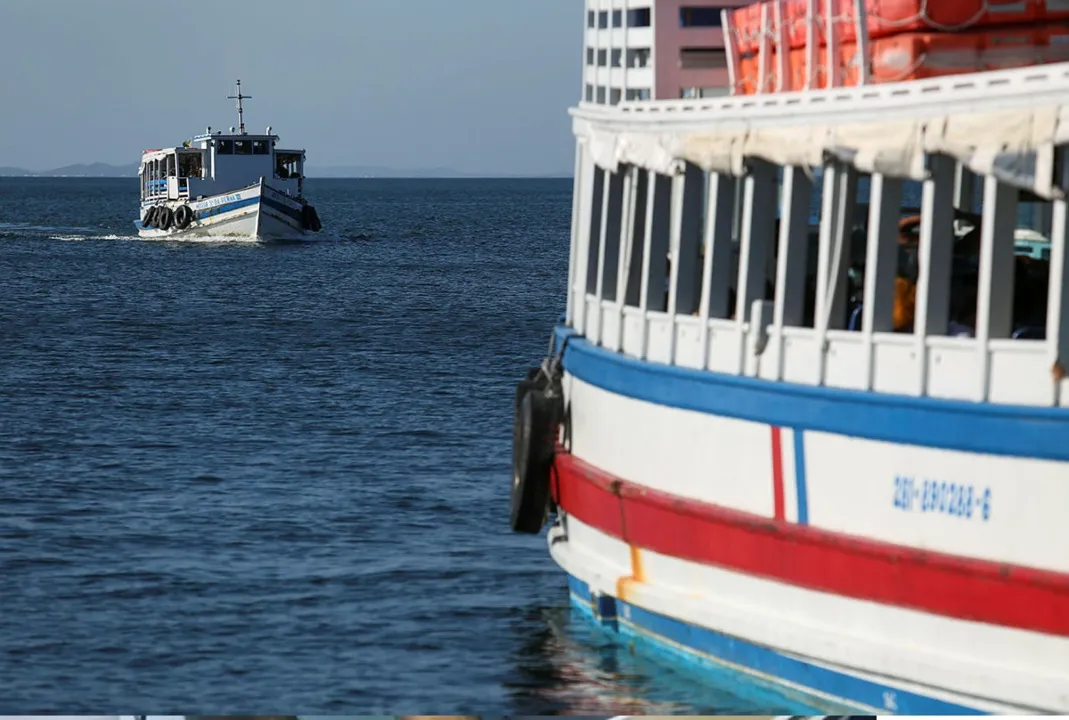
[{"x": 654, "y": 50}]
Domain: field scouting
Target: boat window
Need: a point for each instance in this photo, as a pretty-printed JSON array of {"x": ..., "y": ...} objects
[
  {"x": 224, "y": 147},
  {"x": 287, "y": 165},
  {"x": 260, "y": 147},
  {"x": 190, "y": 165},
  {"x": 243, "y": 147}
]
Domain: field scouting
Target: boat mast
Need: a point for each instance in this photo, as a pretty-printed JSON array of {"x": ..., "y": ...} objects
[{"x": 241, "y": 113}]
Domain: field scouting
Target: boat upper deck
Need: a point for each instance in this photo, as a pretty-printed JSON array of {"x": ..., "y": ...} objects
[{"x": 685, "y": 210}]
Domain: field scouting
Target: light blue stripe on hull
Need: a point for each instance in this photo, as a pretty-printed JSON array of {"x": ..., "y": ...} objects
[{"x": 752, "y": 668}]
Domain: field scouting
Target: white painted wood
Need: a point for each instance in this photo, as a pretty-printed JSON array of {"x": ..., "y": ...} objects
[
  {"x": 594, "y": 332},
  {"x": 758, "y": 228},
  {"x": 831, "y": 44},
  {"x": 577, "y": 245},
  {"x": 994, "y": 312},
  {"x": 783, "y": 47},
  {"x": 764, "y": 52},
  {"x": 881, "y": 261},
  {"x": 861, "y": 29},
  {"x": 935, "y": 251},
  {"x": 1058, "y": 294},
  {"x": 716, "y": 267}
]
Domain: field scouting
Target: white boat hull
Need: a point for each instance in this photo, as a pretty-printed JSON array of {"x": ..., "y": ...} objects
[
  {"x": 257, "y": 212},
  {"x": 710, "y": 528}
]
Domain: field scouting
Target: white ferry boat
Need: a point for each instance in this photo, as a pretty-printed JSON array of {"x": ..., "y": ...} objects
[
  {"x": 833, "y": 462},
  {"x": 233, "y": 184}
]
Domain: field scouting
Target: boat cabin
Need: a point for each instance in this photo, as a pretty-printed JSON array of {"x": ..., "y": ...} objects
[{"x": 216, "y": 162}]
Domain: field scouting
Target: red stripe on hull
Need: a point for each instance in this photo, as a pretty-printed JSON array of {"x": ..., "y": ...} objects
[
  {"x": 777, "y": 475},
  {"x": 941, "y": 584}
]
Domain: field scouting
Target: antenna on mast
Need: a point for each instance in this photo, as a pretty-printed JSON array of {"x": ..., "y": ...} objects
[{"x": 241, "y": 113}]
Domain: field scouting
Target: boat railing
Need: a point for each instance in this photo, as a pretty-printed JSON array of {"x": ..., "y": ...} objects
[{"x": 642, "y": 220}]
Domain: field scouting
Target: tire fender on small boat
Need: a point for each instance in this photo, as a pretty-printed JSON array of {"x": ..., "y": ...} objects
[
  {"x": 533, "y": 437},
  {"x": 183, "y": 216},
  {"x": 150, "y": 217},
  {"x": 163, "y": 218},
  {"x": 310, "y": 218}
]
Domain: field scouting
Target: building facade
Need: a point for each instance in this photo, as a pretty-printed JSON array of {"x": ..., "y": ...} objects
[{"x": 654, "y": 50}]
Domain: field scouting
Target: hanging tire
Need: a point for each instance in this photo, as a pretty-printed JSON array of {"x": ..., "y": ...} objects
[
  {"x": 532, "y": 461},
  {"x": 150, "y": 217},
  {"x": 183, "y": 216},
  {"x": 533, "y": 380},
  {"x": 164, "y": 217},
  {"x": 310, "y": 219}
]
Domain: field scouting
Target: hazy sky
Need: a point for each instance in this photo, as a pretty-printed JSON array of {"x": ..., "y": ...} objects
[{"x": 475, "y": 85}]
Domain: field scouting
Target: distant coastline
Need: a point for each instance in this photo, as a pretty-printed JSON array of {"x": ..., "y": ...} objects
[{"x": 103, "y": 170}]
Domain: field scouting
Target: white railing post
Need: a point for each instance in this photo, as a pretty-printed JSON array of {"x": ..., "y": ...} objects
[
  {"x": 764, "y": 52},
  {"x": 1058, "y": 288},
  {"x": 793, "y": 256},
  {"x": 812, "y": 46},
  {"x": 783, "y": 49},
  {"x": 731, "y": 49},
  {"x": 831, "y": 46},
  {"x": 573, "y": 251},
  {"x": 861, "y": 45},
  {"x": 935, "y": 255},
  {"x": 647, "y": 243},
  {"x": 674, "y": 236},
  {"x": 994, "y": 309},
  {"x": 881, "y": 263}
]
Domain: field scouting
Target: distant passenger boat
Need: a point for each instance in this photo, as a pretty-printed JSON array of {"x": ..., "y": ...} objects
[{"x": 225, "y": 184}]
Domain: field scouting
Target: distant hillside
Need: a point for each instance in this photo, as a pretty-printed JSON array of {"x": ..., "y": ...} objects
[
  {"x": 100, "y": 170},
  {"x": 96, "y": 170}
]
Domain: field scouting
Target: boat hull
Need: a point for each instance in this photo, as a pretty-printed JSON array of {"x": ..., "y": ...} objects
[
  {"x": 257, "y": 212},
  {"x": 773, "y": 530}
]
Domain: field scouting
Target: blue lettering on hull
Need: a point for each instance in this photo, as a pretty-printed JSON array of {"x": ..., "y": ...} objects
[{"x": 941, "y": 497}]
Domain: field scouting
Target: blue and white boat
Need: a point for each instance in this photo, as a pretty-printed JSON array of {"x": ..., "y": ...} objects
[{"x": 225, "y": 184}]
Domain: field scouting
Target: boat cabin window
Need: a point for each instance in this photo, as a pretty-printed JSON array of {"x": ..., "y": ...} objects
[
  {"x": 288, "y": 165},
  {"x": 190, "y": 165},
  {"x": 243, "y": 147},
  {"x": 260, "y": 147},
  {"x": 224, "y": 147}
]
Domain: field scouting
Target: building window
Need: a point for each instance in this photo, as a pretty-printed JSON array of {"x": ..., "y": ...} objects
[
  {"x": 617, "y": 58},
  {"x": 603, "y": 19},
  {"x": 638, "y": 94},
  {"x": 617, "y": 18},
  {"x": 638, "y": 57},
  {"x": 699, "y": 17},
  {"x": 600, "y": 95},
  {"x": 602, "y": 58},
  {"x": 708, "y": 92},
  {"x": 224, "y": 147},
  {"x": 590, "y": 56},
  {"x": 242, "y": 147},
  {"x": 639, "y": 17},
  {"x": 588, "y": 94},
  {"x": 702, "y": 58},
  {"x": 614, "y": 96},
  {"x": 590, "y": 16},
  {"x": 260, "y": 147}
]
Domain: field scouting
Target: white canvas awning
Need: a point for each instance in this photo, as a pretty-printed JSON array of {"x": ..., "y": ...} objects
[{"x": 1015, "y": 145}]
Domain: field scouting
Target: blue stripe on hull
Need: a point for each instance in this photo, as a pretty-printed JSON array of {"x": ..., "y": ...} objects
[
  {"x": 712, "y": 650},
  {"x": 284, "y": 209},
  {"x": 1016, "y": 431},
  {"x": 226, "y": 207}
]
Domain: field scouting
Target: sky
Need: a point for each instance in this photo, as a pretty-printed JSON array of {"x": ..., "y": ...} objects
[{"x": 477, "y": 86}]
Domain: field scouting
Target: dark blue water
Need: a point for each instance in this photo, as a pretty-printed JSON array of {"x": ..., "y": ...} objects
[{"x": 274, "y": 477}]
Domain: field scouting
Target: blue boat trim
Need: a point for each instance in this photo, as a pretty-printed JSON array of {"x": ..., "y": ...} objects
[
  {"x": 1008, "y": 430},
  {"x": 799, "y": 477},
  {"x": 703, "y": 645},
  {"x": 284, "y": 209}
]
